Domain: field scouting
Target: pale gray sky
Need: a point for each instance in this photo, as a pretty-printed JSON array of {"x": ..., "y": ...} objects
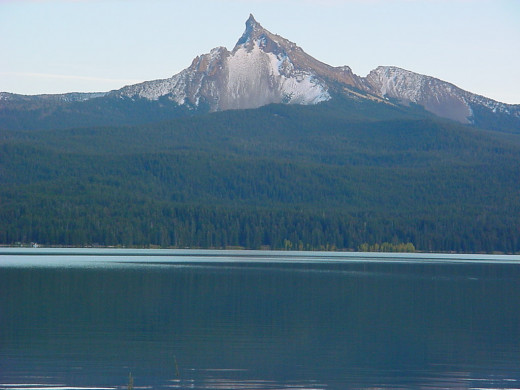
[{"x": 56, "y": 46}]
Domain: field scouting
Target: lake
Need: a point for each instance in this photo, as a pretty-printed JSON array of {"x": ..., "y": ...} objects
[{"x": 188, "y": 319}]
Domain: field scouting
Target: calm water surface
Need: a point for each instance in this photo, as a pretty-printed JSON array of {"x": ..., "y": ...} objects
[{"x": 86, "y": 319}]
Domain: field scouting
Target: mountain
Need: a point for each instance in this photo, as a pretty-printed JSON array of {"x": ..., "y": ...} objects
[
  {"x": 439, "y": 97},
  {"x": 263, "y": 68},
  {"x": 263, "y": 146}
]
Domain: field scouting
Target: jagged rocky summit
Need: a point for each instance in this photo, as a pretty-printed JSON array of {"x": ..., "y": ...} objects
[
  {"x": 266, "y": 68},
  {"x": 262, "y": 68}
]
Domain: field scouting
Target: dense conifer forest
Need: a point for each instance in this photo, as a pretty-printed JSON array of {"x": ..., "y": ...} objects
[{"x": 327, "y": 177}]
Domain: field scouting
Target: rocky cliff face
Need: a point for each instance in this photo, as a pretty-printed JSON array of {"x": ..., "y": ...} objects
[{"x": 262, "y": 68}]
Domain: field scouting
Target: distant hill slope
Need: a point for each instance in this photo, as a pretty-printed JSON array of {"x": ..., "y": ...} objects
[{"x": 309, "y": 177}]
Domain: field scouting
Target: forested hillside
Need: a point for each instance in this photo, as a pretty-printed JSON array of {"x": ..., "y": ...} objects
[{"x": 288, "y": 177}]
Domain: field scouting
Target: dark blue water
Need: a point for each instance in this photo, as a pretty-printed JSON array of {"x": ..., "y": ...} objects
[{"x": 257, "y": 320}]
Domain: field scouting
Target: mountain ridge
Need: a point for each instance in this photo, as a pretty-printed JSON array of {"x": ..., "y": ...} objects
[{"x": 263, "y": 68}]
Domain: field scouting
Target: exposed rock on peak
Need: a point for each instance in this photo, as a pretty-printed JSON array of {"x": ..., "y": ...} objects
[
  {"x": 255, "y": 34},
  {"x": 439, "y": 97},
  {"x": 263, "y": 68},
  {"x": 253, "y": 28},
  {"x": 268, "y": 42},
  {"x": 266, "y": 68}
]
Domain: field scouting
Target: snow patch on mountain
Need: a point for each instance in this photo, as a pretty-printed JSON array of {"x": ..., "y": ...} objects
[
  {"x": 256, "y": 78},
  {"x": 153, "y": 90},
  {"x": 248, "y": 77},
  {"x": 437, "y": 96},
  {"x": 265, "y": 68}
]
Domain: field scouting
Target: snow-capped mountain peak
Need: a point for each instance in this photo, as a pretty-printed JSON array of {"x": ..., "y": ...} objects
[
  {"x": 262, "y": 68},
  {"x": 258, "y": 71},
  {"x": 265, "y": 68}
]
